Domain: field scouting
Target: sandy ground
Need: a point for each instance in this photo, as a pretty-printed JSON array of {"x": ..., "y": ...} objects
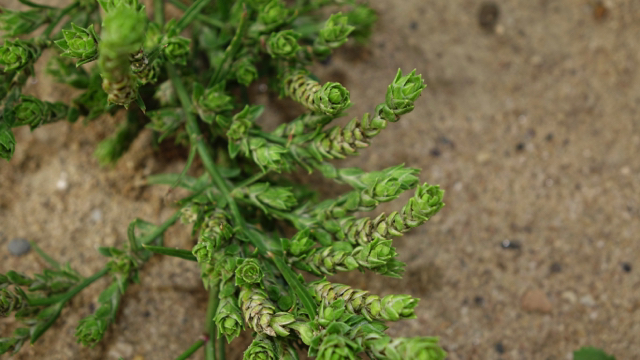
[{"x": 531, "y": 126}]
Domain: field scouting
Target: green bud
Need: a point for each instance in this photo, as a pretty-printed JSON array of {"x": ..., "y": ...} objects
[
  {"x": 15, "y": 55},
  {"x": 262, "y": 348},
  {"x": 273, "y": 14},
  {"x": 338, "y": 347},
  {"x": 362, "y": 17},
  {"x": 404, "y": 90},
  {"x": 277, "y": 197},
  {"x": 242, "y": 122},
  {"x": 229, "y": 318},
  {"x": 304, "y": 330},
  {"x": 419, "y": 348},
  {"x": 123, "y": 30},
  {"x": 300, "y": 243},
  {"x": 7, "y": 143},
  {"x": 203, "y": 251},
  {"x": 30, "y": 111},
  {"x": 374, "y": 254},
  {"x": 267, "y": 155},
  {"x": 332, "y": 98},
  {"x": 176, "y": 50},
  {"x": 245, "y": 71},
  {"x": 280, "y": 321},
  {"x": 79, "y": 43},
  {"x": 336, "y": 30},
  {"x": 248, "y": 272},
  {"x": 283, "y": 44},
  {"x": 10, "y": 301},
  {"x": 331, "y": 312},
  {"x": 214, "y": 99}
]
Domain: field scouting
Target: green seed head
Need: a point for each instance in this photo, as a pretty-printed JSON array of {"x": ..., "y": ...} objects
[
  {"x": 283, "y": 44},
  {"x": 13, "y": 56}
]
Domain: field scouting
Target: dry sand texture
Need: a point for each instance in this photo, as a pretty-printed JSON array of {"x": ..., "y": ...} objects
[{"x": 530, "y": 124}]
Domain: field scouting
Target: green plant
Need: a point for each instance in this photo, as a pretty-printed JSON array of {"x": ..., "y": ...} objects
[
  {"x": 591, "y": 353},
  {"x": 193, "y": 90}
]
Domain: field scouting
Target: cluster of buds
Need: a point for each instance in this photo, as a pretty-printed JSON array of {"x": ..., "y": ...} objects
[
  {"x": 79, "y": 43},
  {"x": 261, "y": 315},
  {"x": 18, "y": 54},
  {"x": 333, "y": 35},
  {"x": 360, "y": 302},
  {"x": 339, "y": 142},
  {"x": 329, "y": 99}
]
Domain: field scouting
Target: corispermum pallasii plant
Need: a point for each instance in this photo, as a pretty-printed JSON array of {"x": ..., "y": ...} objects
[{"x": 193, "y": 90}]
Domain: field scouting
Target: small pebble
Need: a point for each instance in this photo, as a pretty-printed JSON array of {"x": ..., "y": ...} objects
[
  {"x": 96, "y": 215},
  {"x": 478, "y": 300},
  {"x": 488, "y": 16},
  {"x": 587, "y": 300},
  {"x": 570, "y": 296},
  {"x": 626, "y": 267},
  {"x": 600, "y": 12},
  {"x": 499, "y": 348},
  {"x": 555, "y": 267},
  {"x": 520, "y": 146},
  {"x": 18, "y": 246},
  {"x": 536, "y": 301},
  {"x": 510, "y": 244}
]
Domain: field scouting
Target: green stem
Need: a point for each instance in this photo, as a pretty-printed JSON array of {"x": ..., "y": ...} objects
[
  {"x": 239, "y": 221},
  {"x": 190, "y": 14},
  {"x": 268, "y": 136},
  {"x": 233, "y": 47},
  {"x": 54, "y": 23},
  {"x": 210, "y": 325},
  {"x": 160, "y": 229},
  {"x": 192, "y": 349},
  {"x": 204, "y": 19},
  {"x": 207, "y": 159},
  {"x": 34, "y": 5},
  {"x": 250, "y": 180},
  {"x": 158, "y": 11}
]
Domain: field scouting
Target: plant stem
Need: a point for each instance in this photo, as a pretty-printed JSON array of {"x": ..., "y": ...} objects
[
  {"x": 190, "y": 14},
  {"x": 210, "y": 325},
  {"x": 158, "y": 11},
  {"x": 268, "y": 136},
  {"x": 250, "y": 180},
  {"x": 160, "y": 229},
  {"x": 233, "y": 47},
  {"x": 34, "y": 5},
  {"x": 238, "y": 221},
  {"x": 54, "y": 23},
  {"x": 205, "y": 19},
  {"x": 192, "y": 349}
]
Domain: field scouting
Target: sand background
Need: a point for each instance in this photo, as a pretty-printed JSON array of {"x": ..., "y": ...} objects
[{"x": 531, "y": 126}]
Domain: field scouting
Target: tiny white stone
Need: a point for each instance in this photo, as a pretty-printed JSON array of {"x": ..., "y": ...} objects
[
  {"x": 96, "y": 215},
  {"x": 62, "y": 183}
]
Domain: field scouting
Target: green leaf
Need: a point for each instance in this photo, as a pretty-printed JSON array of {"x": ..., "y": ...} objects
[
  {"x": 175, "y": 252},
  {"x": 297, "y": 287},
  {"x": 591, "y": 353}
]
